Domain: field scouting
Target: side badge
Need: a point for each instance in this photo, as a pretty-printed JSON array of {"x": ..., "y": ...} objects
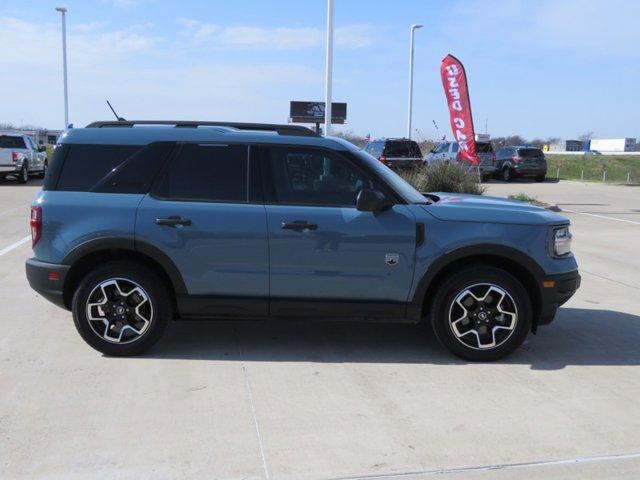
[{"x": 392, "y": 258}]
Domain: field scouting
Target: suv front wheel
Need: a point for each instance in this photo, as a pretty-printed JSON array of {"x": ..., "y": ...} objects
[
  {"x": 121, "y": 308},
  {"x": 481, "y": 313}
]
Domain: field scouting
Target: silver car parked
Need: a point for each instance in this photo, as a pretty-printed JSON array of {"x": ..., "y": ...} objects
[
  {"x": 21, "y": 157},
  {"x": 448, "y": 152}
]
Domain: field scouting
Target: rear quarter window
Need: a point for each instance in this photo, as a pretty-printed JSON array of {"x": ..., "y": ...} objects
[{"x": 84, "y": 166}]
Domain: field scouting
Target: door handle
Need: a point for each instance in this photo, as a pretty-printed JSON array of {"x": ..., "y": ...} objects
[
  {"x": 299, "y": 225},
  {"x": 173, "y": 221}
]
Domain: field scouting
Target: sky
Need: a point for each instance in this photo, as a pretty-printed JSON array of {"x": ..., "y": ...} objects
[{"x": 544, "y": 68}]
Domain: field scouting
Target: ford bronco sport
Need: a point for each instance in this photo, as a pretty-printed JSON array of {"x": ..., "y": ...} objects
[{"x": 140, "y": 223}]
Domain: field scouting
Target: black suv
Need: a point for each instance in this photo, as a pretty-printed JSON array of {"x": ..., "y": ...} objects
[
  {"x": 515, "y": 162},
  {"x": 396, "y": 152}
]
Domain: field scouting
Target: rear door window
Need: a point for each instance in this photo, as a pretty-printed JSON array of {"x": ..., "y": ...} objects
[
  {"x": 137, "y": 172},
  {"x": 207, "y": 172}
]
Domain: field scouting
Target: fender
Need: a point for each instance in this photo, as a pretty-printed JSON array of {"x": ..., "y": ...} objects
[
  {"x": 129, "y": 244},
  {"x": 486, "y": 249}
]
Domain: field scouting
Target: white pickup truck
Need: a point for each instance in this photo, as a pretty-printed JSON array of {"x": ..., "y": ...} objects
[{"x": 21, "y": 157}]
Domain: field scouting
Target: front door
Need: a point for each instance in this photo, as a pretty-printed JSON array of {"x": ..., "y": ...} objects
[
  {"x": 203, "y": 215},
  {"x": 326, "y": 257}
]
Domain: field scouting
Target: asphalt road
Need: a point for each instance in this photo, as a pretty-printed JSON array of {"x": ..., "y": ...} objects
[{"x": 324, "y": 401}]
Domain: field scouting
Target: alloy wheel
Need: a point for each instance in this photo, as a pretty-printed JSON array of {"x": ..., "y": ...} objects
[
  {"x": 483, "y": 316},
  {"x": 119, "y": 310}
]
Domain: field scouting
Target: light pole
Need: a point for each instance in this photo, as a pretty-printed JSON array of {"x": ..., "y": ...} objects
[
  {"x": 329, "y": 70},
  {"x": 411, "y": 35},
  {"x": 63, "y": 11}
]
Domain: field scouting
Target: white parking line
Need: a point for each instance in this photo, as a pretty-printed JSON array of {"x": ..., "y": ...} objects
[
  {"x": 484, "y": 468},
  {"x": 15, "y": 245},
  {"x": 600, "y": 216}
]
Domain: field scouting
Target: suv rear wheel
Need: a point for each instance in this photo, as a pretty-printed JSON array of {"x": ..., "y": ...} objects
[
  {"x": 507, "y": 175},
  {"x": 481, "y": 313},
  {"x": 121, "y": 308}
]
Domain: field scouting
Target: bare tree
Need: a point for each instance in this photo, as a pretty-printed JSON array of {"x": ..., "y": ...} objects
[{"x": 586, "y": 136}]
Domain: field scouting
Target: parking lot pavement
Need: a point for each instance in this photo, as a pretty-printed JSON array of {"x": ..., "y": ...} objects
[{"x": 329, "y": 400}]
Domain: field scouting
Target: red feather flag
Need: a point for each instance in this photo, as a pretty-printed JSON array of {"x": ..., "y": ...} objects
[{"x": 454, "y": 81}]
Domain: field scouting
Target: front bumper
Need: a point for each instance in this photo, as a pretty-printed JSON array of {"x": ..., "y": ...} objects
[
  {"x": 47, "y": 279},
  {"x": 564, "y": 286}
]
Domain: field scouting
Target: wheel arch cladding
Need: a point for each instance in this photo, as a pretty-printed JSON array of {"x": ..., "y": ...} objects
[
  {"x": 86, "y": 256},
  {"x": 518, "y": 264}
]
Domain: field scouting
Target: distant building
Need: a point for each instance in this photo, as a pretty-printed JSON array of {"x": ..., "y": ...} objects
[
  {"x": 613, "y": 144},
  {"x": 566, "y": 146},
  {"x": 44, "y": 136}
]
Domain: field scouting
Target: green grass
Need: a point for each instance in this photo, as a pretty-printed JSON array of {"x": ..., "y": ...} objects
[
  {"x": 617, "y": 167},
  {"x": 523, "y": 197}
]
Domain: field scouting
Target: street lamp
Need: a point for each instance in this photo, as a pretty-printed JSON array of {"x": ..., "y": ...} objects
[
  {"x": 63, "y": 11},
  {"x": 329, "y": 70},
  {"x": 411, "y": 35}
]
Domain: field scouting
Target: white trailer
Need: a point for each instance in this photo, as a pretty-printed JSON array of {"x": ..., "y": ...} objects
[{"x": 613, "y": 144}]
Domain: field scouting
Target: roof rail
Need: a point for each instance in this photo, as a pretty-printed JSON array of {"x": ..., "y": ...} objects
[{"x": 298, "y": 130}]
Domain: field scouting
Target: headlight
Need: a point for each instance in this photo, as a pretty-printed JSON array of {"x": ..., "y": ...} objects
[{"x": 561, "y": 241}]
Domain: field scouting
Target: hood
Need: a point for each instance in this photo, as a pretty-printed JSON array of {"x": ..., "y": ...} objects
[{"x": 478, "y": 208}]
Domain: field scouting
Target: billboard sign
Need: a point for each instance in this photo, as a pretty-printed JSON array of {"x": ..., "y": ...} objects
[{"x": 313, "y": 112}]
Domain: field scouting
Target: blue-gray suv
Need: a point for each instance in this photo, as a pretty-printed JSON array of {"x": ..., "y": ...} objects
[{"x": 140, "y": 223}]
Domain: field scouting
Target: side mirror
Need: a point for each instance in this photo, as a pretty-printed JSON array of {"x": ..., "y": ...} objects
[{"x": 371, "y": 201}]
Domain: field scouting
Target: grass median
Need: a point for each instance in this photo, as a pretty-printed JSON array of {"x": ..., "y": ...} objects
[{"x": 592, "y": 167}]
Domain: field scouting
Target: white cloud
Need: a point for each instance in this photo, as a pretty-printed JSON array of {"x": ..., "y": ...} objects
[
  {"x": 115, "y": 64},
  {"x": 87, "y": 27},
  {"x": 280, "y": 38}
]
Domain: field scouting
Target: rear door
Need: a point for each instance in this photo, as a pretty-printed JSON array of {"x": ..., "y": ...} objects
[
  {"x": 205, "y": 214},
  {"x": 326, "y": 257}
]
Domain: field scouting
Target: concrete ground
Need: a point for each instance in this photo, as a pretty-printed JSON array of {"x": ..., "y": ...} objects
[{"x": 327, "y": 400}]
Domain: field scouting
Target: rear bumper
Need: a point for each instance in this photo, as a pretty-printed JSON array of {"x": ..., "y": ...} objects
[
  {"x": 529, "y": 172},
  {"x": 47, "y": 279},
  {"x": 12, "y": 168},
  {"x": 564, "y": 286},
  {"x": 404, "y": 162}
]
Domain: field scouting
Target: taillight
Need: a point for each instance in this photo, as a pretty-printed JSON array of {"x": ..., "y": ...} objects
[
  {"x": 383, "y": 159},
  {"x": 493, "y": 159},
  {"x": 516, "y": 159},
  {"x": 36, "y": 225},
  {"x": 15, "y": 156}
]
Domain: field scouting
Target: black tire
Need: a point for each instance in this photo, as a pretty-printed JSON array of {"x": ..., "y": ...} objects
[
  {"x": 23, "y": 176},
  {"x": 158, "y": 297},
  {"x": 507, "y": 174},
  {"x": 45, "y": 165},
  {"x": 541, "y": 178},
  {"x": 443, "y": 305}
]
